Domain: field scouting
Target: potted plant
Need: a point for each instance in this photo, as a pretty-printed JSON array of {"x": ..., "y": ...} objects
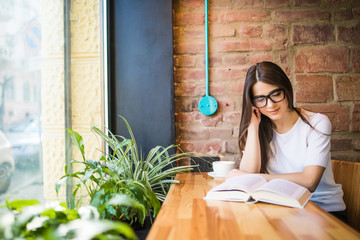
[
  {"x": 27, "y": 219},
  {"x": 123, "y": 184}
]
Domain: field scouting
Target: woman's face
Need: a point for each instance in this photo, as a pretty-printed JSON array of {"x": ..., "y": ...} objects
[{"x": 272, "y": 110}]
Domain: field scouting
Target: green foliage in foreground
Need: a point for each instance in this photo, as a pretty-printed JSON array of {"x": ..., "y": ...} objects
[
  {"x": 123, "y": 184},
  {"x": 27, "y": 219}
]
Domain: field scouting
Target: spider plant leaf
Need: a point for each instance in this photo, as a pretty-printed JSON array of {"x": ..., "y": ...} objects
[
  {"x": 77, "y": 141},
  {"x": 59, "y": 183},
  {"x": 127, "y": 201},
  {"x": 110, "y": 172},
  {"x": 88, "y": 174}
]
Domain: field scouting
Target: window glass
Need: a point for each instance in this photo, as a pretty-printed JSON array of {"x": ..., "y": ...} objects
[{"x": 20, "y": 123}]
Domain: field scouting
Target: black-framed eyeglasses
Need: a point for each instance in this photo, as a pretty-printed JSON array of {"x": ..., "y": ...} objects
[{"x": 276, "y": 95}]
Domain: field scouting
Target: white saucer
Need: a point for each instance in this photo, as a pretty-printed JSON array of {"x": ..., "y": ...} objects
[{"x": 212, "y": 174}]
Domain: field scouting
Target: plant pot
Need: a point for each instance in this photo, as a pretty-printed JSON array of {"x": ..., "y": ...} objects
[{"x": 142, "y": 231}]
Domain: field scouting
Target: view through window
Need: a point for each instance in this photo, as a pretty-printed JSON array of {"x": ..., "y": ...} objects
[{"x": 20, "y": 101}]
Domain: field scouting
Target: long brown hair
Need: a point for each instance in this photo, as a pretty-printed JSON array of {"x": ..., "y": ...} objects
[{"x": 270, "y": 73}]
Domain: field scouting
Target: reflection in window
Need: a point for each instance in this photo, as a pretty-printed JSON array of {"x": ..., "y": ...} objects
[{"x": 20, "y": 123}]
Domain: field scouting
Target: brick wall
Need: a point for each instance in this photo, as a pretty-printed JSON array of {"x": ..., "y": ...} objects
[{"x": 317, "y": 42}]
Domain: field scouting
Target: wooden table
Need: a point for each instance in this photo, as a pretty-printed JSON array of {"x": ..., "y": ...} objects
[{"x": 185, "y": 215}]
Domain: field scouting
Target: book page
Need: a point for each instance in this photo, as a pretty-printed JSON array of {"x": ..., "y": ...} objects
[
  {"x": 284, "y": 188},
  {"x": 247, "y": 183}
]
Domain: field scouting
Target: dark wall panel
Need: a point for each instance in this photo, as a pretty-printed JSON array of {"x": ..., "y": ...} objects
[{"x": 141, "y": 70}]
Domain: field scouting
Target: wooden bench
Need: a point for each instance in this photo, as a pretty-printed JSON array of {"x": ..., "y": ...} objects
[{"x": 348, "y": 175}]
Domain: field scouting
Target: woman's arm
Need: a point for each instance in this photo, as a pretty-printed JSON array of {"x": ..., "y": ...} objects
[
  {"x": 309, "y": 178},
  {"x": 251, "y": 158}
]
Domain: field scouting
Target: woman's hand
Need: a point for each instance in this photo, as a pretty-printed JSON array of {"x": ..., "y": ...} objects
[
  {"x": 234, "y": 173},
  {"x": 255, "y": 117}
]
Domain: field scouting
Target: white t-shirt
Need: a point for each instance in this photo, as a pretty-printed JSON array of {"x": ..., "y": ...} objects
[{"x": 303, "y": 146}]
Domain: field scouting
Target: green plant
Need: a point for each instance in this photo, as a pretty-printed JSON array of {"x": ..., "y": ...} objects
[
  {"x": 122, "y": 184},
  {"x": 27, "y": 219}
]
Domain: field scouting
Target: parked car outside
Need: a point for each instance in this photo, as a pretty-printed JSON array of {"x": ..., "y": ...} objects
[
  {"x": 6, "y": 162},
  {"x": 25, "y": 138}
]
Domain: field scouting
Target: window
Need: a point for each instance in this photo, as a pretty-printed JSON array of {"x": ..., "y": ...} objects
[{"x": 20, "y": 121}]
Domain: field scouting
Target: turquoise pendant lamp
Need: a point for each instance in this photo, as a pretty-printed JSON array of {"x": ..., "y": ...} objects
[{"x": 207, "y": 105}]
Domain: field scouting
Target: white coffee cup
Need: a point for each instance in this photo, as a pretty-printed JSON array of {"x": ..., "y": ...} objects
[{"x": 222, "y": 168}]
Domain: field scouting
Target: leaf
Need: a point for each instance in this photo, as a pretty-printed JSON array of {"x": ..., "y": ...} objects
[
  {"x": 78, "y": 141},
  {"x": 59, "y": 183},
  {"x": 90, "y": 229},
  {"x": 88, "y": 174},
  {"x": 19, "y": 204}
]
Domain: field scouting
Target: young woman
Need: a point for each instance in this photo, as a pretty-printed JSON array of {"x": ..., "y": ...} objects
[{"x": 278, "y": 140}]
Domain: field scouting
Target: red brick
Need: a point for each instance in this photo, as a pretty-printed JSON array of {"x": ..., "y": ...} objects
[
  {"x": 308, "y": 90},
  {"x": 194, "y": 133},
  {"x": 189, "y": 47},
  {"x": 319, "y": 59},
  {"x": 216, "y": 88},
  {"x": 185, "y": 117},
  {"x": 184, "y": 61},
  {"x": 177, "y": 33},
  {"x": 339, "y": 115},
  {"x": 186, "y": 104},
  {"x": 192, "y": 4},
  {"x": 221, "y": 30},
  {"x": 301, "y": 15},
  {"x": 344, "y": 14},
  {"x": 356, "y": 144},
  {"x": 341, "y": 144},
  {"x": 189, "y": 18},
  {"x": 214, "y": 61},
  {"x": 336, "y": 2},
  {"x": 356, "y": 118},
  {"x": 193, "y": 32},
  {"x": 232, "y": 146},
  {"x": 260, "y": 57},
  {"x": 314, "y": 34},
  {"x": 208, "y": 121},
  {"x": 225, "y": 104},
  {"x": 356, "y": 13},
  {"x": 299, "y": 3},
  {"x": 221, "y": 4},
  {"x": 237, "y": 88},
  {"x": 284, "y": 58},
  {"x": 274, "y": 30},
  {"x": 220, "y": 133},
  {"x": 245, "y": 16},
  {"x": 355, "y": 59},
  {"x": 212, "y": 148},
  {"x": 187, "y": 147},
  {"x": 248, "y": 4},
  {"x": 349, "y": 34},
  {"x": 348, "y": 87},
  {"x": 236, "y": 59},
  {"x": 280, "y": 43},
  {"x": 228, "y": 73},
  {"x": 236, "y": 132},
  {"x": 250, "y": 31},
  {"x": 232, "y": 117},
  {"x": 185, "y": 74},
  {"x": 244, "y": 45},
  {"x": 187, "y": 89},
  {"x": 276, "y": 3}
]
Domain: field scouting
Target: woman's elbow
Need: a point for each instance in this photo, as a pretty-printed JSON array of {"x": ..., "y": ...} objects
[
  {"x": 249, "y": 169},
  {"x": 312, "y": 184}
]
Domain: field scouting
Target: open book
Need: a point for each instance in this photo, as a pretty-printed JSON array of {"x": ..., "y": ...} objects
[{"x": 252, "y": 188}]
